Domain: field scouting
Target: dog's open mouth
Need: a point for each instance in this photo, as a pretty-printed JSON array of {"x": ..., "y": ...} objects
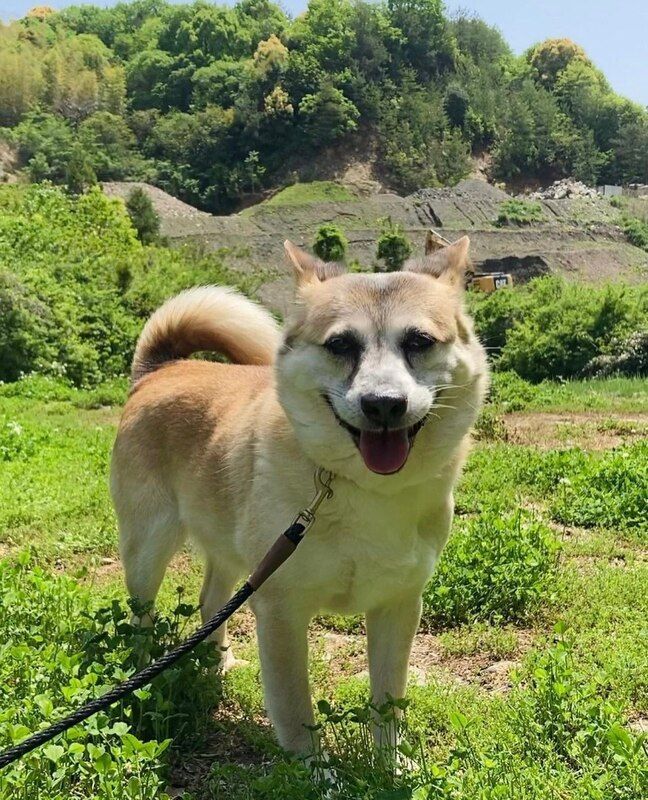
[{"x": 383, "y": 451}]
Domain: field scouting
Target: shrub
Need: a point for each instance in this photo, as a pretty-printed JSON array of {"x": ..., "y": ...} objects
[
  {"x": 496, "y": 567},
  {"x": 550, "y": 328},
  {"x": 519, "y": 212},
  {"x": 330, "y": 243},
  {"x": 79, "y": 174},
  {"x": 636, "y": 231},
  {"x": 85, "y": 650},
  {"x": 75, "y": 283},
  {"x": 143, "y": 216},
  {"x": 393, "y": 246},
  {"x": 627, "y": 358}
]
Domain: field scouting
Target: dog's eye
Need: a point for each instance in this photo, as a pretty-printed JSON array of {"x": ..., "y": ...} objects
[
  {"x": 417, "y": 342},
  {"x": 342, "y": 344}
]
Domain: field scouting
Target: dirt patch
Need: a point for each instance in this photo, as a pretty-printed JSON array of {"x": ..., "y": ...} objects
[
  {"x": 590, "y": 430},
  {"x": 230, "y": 742},
  {"x": 345, "y": 655},
  {"x": 164, "y": 204}
]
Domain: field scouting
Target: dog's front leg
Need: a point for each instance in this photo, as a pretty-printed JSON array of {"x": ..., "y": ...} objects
[
  {"x": 390, "y": 632},
  {"x": 282, "y": 631}
]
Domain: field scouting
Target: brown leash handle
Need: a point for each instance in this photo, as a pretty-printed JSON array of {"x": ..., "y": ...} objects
[{"x": 287, "y": 543}]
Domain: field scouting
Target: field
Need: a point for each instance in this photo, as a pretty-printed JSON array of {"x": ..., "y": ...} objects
[{"x": 529, "y": 674}]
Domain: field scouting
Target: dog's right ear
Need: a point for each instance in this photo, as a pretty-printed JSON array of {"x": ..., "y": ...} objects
[{"x": 306, "y": 267}]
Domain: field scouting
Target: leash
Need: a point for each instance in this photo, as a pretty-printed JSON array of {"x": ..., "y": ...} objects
[{"x": 284, "y": 546}]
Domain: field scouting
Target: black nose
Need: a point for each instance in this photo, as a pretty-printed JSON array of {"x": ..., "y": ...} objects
[{"x": 383, "y": 411}]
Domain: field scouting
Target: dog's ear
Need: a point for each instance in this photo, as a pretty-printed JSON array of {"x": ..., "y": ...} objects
[
  {"x": 305, "y": 265},
  {"x": 433, "y": 242},
  {"x": 308, "y": 268},
  {"x": 447, "y": 264}
]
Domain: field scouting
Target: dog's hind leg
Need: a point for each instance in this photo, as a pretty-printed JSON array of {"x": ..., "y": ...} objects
[
  {"x": 218, "y": 587},
  {"x": 150, "y": 534}
]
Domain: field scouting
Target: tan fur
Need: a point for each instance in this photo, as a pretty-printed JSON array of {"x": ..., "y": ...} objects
[
  {"x": 225, "y": 455},
  {"x": 206, "y": 318}
]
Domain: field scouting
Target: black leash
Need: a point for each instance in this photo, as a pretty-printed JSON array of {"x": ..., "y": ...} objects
[{"x": 282, "y": 549}]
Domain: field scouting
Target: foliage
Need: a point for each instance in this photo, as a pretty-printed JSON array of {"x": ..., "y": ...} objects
[
  {"x": 497, "y": 567},
  {"x": 550, "y": 328},
  {"x": 330, "y": 243},
  {"x": 79, "y": 175},
  {"x": 393, "y": 246},
  {"x": 75, "y": 284},
  {"x": 209, "y": 101},
  {"x": 143, "y": 216},
  {"x": 606, "y": 490},
  {"x": 117, "y": 753},
  {"x": 519, "y": 212},
  {"x": 636, "y": 230}
]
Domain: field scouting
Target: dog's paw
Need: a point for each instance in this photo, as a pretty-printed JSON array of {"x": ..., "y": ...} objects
[{"x": 229, "y": 662}]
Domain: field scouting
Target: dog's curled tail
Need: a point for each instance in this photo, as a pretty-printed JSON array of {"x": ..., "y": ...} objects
[{"x": 212, "y": 318}]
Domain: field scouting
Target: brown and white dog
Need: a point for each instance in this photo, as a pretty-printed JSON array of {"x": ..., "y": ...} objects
[{"x": 375, "y": 377}]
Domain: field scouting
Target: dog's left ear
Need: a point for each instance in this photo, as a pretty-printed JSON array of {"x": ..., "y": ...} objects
[
  {"x": 305, "y": 266},
  {"x": 308, "y": 268},
  {"x": 447, "y": 264}
]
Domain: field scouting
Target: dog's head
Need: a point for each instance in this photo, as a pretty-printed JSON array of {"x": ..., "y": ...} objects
[{"x": 370, "y": 362}]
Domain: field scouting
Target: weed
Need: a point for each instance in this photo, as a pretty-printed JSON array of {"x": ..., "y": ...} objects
[
  {"x": 519, "y": 212},
  {"x": 498, "y": 567}
]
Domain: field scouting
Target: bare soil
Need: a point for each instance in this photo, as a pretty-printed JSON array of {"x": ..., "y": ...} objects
[{"x": 590, "y": 430}]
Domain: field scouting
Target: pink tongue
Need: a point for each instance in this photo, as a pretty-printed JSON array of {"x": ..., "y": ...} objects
[{"x": 384, "y": 451}]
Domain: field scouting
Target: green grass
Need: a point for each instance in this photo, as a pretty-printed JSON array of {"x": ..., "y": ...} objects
[
  {"x": 519, "y": 212},
  {"x": 615, "y": 395},
  {"x": 574, "y": 556},
  {"x": 300, "y": 194}
]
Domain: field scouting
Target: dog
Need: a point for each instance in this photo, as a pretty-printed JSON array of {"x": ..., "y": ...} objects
[{"x": 377, "y": 378}]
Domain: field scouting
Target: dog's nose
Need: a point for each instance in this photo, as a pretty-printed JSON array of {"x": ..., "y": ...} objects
[{"x": 383, "y": 411}]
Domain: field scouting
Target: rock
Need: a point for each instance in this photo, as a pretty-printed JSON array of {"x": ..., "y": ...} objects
[
  {"x": 562, "y": 189},
  {"x": 501, "y": 668},
  {"x": 639, "y": 725}
]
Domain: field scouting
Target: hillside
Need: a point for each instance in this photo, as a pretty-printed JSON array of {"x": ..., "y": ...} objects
[
  {"x": 218, "y": 104},
  {"x": 577, "y": 237}
]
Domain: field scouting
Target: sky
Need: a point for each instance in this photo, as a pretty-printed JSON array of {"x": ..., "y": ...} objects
[{"x": 614, "y": 34}]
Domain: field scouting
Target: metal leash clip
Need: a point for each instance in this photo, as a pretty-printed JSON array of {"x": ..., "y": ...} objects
[{"x": 323, "y": 491}]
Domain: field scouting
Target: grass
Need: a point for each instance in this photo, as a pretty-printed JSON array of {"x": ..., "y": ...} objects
[
  {"x": 633, "y": 219},
  {"x": 615, "y": 395},
  {"x": 300, "y": 194},
  {"x": 519, "y": 212},
  {"x": 574, "y": 557}
]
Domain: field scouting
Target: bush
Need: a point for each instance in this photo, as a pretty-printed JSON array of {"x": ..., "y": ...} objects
[
  {"x": 118, "y": 753},
  {"x": 636, "y": 231},
  {"x": 628, "y": 358},
  {"x": 393, "y": 247},
  {"x": 330, "y": 243},
  {"x": 75, "y": 284},
  {"x": 143, "y": 216},
  {"x": 497, "y": 567},
  {"x": 552, "y": 329},
  {"x": 519, "y": 212}
]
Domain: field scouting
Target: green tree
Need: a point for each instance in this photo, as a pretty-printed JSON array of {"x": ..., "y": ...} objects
[
  {"x": 393, "y": 247},
  {"x": 425, "y": 43},
  {"x": 79, "y": 175},
  {"x": 327, "y": 115},
  {"x": 143, "y": 216},
  {"x": 330, "y": 243},
  {"x": 551, "y": 57}
]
